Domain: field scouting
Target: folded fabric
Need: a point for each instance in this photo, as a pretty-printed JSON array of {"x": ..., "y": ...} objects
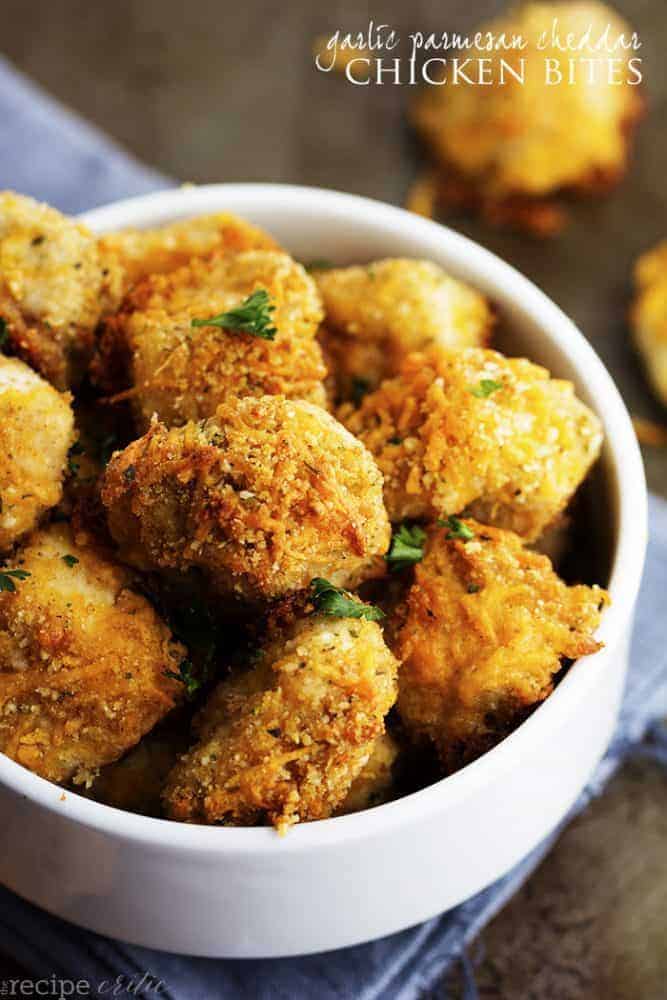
[{"x": 48, "y": 152}]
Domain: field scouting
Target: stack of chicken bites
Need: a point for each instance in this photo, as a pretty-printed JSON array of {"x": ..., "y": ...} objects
[{"x": 287, "y": 444}]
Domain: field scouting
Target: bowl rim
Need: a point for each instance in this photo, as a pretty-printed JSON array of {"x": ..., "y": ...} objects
[{"x": 627, "y": 486}]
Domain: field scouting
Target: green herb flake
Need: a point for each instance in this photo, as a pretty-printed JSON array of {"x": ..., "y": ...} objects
[
  {"x": 337, "y": 603},
  {"x": 473, "y": 588},
  {"x": 186, "y": 676},
  {"x": 407, "y": 546},
  {"x": 358, "y": 389},
  {"x": 485, "y": 387},
  {"x": 70, "y": 560},
  {"x": 318, "y": 265},
  {"x": 7, "y": 577},
  {"x": 457, "y": 529},
  {"x": 252, "y": 316},
  {"x": 129, "y": 474},
  {"x": 4, "y": 331}
]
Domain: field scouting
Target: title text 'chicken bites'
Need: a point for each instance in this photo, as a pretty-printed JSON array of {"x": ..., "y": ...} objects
[
  {"x": 487, "y": 625},
  {"x": 181, "y": 368},
  {"x": 545, "y": 119},
  {"x": 36, "y": 432},
  {"x": 375, "y": 315},
  {"x": 54, "y": 285},
  {"x": 85, "y": 660},
  {"x": 263, "y": 497},
  {"x": 649, "y": 315},
  {"x": 287, "y": 740},
  {"x": 473, "y": 429}
]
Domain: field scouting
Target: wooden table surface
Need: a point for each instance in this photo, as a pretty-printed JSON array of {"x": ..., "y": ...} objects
[{"x": 219, "y": 92}]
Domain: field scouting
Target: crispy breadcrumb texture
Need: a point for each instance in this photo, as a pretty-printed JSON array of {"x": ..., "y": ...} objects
[
  {"x": 649, "y": 315},
  {"x": 36, "y": 432},
  {"x": 486, "y": 626},
  {"x": 376, "y": 315},
  {"x": 374, "y": 784},
  {"x": 142, "y": 252},
  {"x": 181, "y": 372},
  {"x": 474, "y": 429},
  {"x": 263, "y": 497},
  {"x": 54, "y": 285},
  {"x": 83, "y": 660},
  {"x": 285, "y": 742},
  {"x": 508, "y": 147}
]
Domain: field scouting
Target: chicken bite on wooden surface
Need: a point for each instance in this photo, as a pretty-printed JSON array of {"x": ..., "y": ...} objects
[
  {"x": 85, "y": 659},
  {"x": 377, "y": 314},
  {"x": 649, "y": 315},
  {"x": 486, "y": 626},
  {"x": 474, "y": 429},
  {"x": 54, "y": 285},
  {"x": 285, "y": 741},
  {"x": 508, "y": 147},
  {"x": 264, "y": 496},
  {"x": 36, "y": 432},
  {"x": 141, "y": 252},
  {"x": 265, "y": 310}
]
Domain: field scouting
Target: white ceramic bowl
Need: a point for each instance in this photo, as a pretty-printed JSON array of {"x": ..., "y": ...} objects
[{"x": 248, "y": 892}]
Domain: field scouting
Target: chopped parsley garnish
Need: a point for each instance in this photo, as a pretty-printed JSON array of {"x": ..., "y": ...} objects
[
  {"x": 473, "y": 588},
  {"x": 76, "y": 449},
  {"x": 129, "y": 474},
  {"x": 7, "y": 577},
  {"x": 4, "y": 331},
  {"x": 395, "y": 440},
  {"x": 407, "y": 546},
  {"x": 252, "y": 316},
  {"x": 70, "y": 560},
  {"x": 485, "y": 387},
  {"x": 337, "y": 603},
  {"x": 186, "y": 676},
  {"x": 457, "y": 529},
  {"x": 359, "y": 388}
]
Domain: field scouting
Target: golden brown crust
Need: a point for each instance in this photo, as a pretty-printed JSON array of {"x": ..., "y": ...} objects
[
  {"x": 287, "y": 740},
  {"x": 83, "y": 660},
  {"x": 376, "y": 315},
  {"x": 648, "y": 315},
  {"x": 516, "y": 455},
  {"x": 486, "y": 626},
  {"x": 36, "y": 432},
  {"x": 263, "y": 497},
  {"x": 508, "y": 148},
  {"x": 183, "y": 373},
  {"x": 374, "y": 783},
  {"x": 53, "y": 287}
]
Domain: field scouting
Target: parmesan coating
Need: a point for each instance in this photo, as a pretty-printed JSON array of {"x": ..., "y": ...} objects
[
  {"x": 36, "y": 432},
  {"x": 286, "y": 741},
  {"x": 264, "y": 496},
  {"x": 84, "y": 660},
  {"x": 649, "y": 315},
  {"x": 375, "y": 315},
  {"x": 475, "y": 430},
  {"x": 514, "y": 140},
  {"x": 486, "y": 627},
  {"x": 374, "y": 784},
  {"x": 181, "y": 372},
  {"x": 54, "y": 285},
  {"x": 141, "y": 252}
]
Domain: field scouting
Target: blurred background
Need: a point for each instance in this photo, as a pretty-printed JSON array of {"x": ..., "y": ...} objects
[{"x": 211, "y": 91}]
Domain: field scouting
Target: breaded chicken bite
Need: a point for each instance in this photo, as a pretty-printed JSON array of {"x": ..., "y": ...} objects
[
  {"x": 85, "y": 659},
  {"x": 266, "y": 310},
  {"x": 141, "y": 252},
  {"x": 375, "y": 315},
  {"x": 36, "y": 432},
  {"x": 374, "y": 784},
  {"x": 542, "y": 121},
  {"x": 486, "y": 627},
  {"x": 286, "y": 741},
  {"x": 54, "y": 286},
  {"x": 475, "y": 430},
  {"x": 264, "y": 496},
  {"x": 649, "y": 315}
]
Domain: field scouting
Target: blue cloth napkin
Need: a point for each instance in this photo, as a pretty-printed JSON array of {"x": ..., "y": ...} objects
[{"x": 48, "y": 152}]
